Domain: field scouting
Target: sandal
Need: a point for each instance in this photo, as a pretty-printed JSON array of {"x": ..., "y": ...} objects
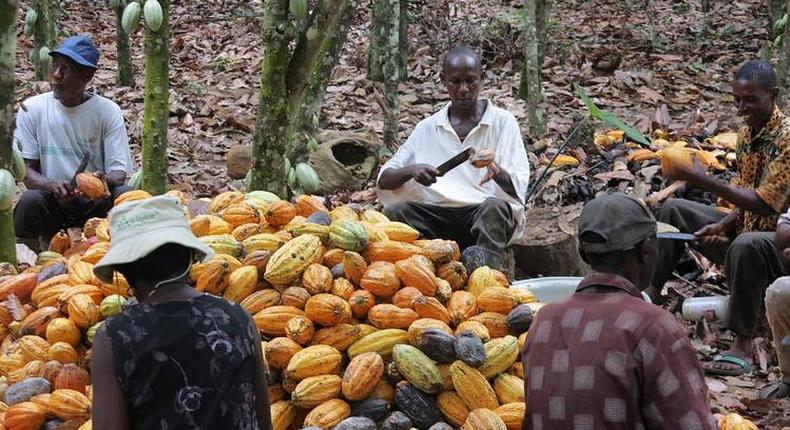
[
  {"x": 775, "y": 390},
  {"x": 744, "y": 366}
]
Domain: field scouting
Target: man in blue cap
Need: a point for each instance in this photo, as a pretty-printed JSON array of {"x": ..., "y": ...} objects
[{"x": 55, "y": 131}]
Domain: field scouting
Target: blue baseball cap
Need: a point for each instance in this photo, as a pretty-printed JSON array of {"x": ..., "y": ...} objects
[{"x": 80, "y": 50}]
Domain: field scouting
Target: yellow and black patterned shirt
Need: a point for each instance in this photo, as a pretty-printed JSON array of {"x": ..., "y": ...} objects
[{"x": 763, "y": 163}]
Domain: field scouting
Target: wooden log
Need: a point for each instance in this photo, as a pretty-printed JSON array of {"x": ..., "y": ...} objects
[{"x": 550, "y": 246}]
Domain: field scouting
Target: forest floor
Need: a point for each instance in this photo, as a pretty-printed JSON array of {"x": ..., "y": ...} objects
[{"x": 659, "y": 64}]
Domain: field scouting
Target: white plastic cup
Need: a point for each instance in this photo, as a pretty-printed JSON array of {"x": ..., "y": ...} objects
[{"x": 710, "y": 307}]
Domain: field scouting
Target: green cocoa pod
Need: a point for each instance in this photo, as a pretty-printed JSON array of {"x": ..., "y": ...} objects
[
  {"x": 112, "y": 305},
  {"x": 43, "y": 54},
  {"x": 27, "y": 29},
  {"x": 298, "y": 8},
  {"x": 131, "y": 17},
  {"x": 136, "y": 180},
  {"x": 307, "y": 177},
  {"x": 417, "y": 368},
  {"x": 18, "y": 167},
  {"x": 115, "y": 4},
  {"x": 291, "y": 177},
  {"x": 152, "y": 11},
  {"x": 31, "y": 17},
  {"x": 7, "y": 189},
  {"x": 91, "y": 333}
]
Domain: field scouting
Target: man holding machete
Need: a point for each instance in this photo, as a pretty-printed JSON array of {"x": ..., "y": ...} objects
[
  {"x": 744, "y": 240},
  {"x": 61, "y": 133},
  {"x": 479, "y": 204}
]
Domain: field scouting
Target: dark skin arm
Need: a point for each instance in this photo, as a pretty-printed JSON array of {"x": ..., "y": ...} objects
[
  {"x": 34, "y": 180},
  {"x": 109, "y": 405},
  {"x": 261, "y": 389},
  {"x": 718, "y": 232},
  {"x": 485, "y": 158},
  {"x": 503, "y": 179},
  {"x": 783, "y": 238},
  {"x": 743, "y": 198},
  {"x": 393, "y": 179},
  {"x": 62, "y": 189},
  {"x": 426, "y": 174}
]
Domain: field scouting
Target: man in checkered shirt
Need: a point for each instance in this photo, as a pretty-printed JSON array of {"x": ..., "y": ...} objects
[{"x": 605, "y": 358}]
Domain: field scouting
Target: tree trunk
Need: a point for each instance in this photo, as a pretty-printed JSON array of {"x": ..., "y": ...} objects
[
  {"x": 391, "y": 115},
  {"x": 387, "y": 54},
  {"x": 551, "y": 247},
  {"x": 784, "y": 63},
  {"x": 8, "y": 9},
  {"x": 307, "y": 101},
  {"x": 44, "y": 36},
  {"x": 125, "y": 76},
  {"x": 542, "y": 9},
  {"x": 270, "y": 138},
  {"x": 530, "y": 88},
  {"x": 156, "y": 105}
]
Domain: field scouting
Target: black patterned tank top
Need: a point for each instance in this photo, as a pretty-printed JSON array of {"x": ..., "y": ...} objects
[{"x": 186, "y": 364}]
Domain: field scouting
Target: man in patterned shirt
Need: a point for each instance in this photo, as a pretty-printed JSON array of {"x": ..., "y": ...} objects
[
  {"x": 743, "y": 239},
  {"x": 605, "y": 358}
]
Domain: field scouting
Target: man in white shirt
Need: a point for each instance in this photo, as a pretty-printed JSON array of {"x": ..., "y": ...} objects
[
  {"x": 777, "y": 309},
  {"x": 480, "y": 203},
  {"x": 54, "y": 131}
]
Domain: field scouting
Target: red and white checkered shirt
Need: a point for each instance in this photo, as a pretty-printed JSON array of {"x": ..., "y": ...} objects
[{"x": 606, "y": 359}]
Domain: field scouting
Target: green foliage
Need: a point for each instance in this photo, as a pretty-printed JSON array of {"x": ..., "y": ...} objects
[{"x": 611, "y": 119}]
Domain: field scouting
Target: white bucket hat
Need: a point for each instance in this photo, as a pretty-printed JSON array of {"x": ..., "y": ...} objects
[{"x": 139, "y": 227}]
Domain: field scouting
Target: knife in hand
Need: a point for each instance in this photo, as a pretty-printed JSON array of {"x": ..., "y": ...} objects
[
  {"x": 456, "y": 161},
  {"x": 81, "y": 168}
]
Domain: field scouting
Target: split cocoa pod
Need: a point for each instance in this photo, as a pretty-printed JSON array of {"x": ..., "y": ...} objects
[{"x": 673, "y": 158}]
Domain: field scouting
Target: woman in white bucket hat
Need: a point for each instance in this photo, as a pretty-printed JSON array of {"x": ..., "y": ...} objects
[{"x": 177, "y": 359}]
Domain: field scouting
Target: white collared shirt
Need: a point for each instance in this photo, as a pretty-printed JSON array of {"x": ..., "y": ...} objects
[
  {"x": 785, "y": 218},
  {"x": 434, "y": 141}
]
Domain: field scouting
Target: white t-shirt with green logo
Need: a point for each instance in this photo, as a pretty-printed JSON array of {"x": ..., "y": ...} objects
[{"x": 58, "y": 136}]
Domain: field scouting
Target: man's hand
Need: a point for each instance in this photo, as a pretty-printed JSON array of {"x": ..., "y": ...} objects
[
  {"x": 786, "y": 255},
  {"x": 712, "y": 234},
  {"x": 425, "y": 174},
  {"x": 482, "y": 158},
  {"x": 62, "y": 191},
  {"x": 690, "y": 174}
]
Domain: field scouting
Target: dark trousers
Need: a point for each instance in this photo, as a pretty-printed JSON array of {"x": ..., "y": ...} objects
[
  {"x": 39, "y": 214},
  {"x": 488, "y": 225},
  {"x": 751, "y": 261}
]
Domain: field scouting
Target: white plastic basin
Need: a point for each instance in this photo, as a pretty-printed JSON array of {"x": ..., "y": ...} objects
[{"x": 555, "y": 288}]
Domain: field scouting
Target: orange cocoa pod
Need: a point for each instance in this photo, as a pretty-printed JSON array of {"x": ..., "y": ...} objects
[
  {"x": 430, "y": 307},
  {"x": 307, "y": 205},
  {"x": 390, "y": 316},
  {"x": 405, "y": 297},
  {"x": 295, "y": 296},
  {"x": 60, "y": 242},
  {"x": 361, "y": 302},
  {"x": 280, "y": 213},
  {"x": 380, "y": 279},
  {"x": 91, "y": 186},
  {"x": 327, "y": 310},
  {"x": 72, "y": 377},
  {"x": 354, "y": 266}
]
